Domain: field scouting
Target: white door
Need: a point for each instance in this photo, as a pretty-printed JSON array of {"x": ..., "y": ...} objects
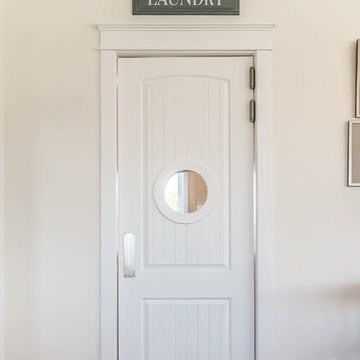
[{"x": 185, "y": 200}]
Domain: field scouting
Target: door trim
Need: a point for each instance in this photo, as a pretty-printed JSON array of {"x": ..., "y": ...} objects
[
  {"x": 119, "y": 40},
  {"x": 2, "y": 184}
]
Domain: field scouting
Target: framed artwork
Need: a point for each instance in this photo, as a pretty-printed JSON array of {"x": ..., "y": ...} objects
[
  {"x": 354, "y": 153},
  {"x": 357, "y": 87},
  {"x": 186, "y": 7}
]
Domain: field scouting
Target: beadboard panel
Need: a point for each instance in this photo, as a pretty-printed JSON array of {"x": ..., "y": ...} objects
[
  {"x": 185, "y": 119},
  {"x": 193, "y": 329}
]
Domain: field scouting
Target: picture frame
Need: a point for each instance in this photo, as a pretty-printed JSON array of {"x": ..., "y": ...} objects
[
  {"x": 354, "y": 154},
  {"x": 186, "y": 7},
  {"x": 357, "y": 85}
]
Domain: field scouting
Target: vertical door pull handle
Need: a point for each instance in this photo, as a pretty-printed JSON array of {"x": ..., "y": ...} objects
[{"x": 129, "y": 255}]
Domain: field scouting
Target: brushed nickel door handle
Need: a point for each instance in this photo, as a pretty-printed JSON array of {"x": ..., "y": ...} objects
[{"x": 129, "y": 255}]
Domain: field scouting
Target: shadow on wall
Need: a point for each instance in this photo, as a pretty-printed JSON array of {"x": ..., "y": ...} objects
[{"x": 328, "y": 319}]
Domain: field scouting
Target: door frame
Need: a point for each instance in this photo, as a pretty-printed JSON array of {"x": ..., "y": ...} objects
[
  {"x": 123, "y": 40},
  {"x": 2, "y": 182}
]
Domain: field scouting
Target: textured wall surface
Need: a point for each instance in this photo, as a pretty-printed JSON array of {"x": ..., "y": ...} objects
[{"x": 52, "y": 132}]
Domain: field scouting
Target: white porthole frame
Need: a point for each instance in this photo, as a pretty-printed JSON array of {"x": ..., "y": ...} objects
[
  {"x": 171, "y": 40},
  {"x": 161, "y": 182}
]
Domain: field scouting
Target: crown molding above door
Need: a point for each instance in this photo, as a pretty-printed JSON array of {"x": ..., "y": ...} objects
[
  {"x": 179, "y": 37},
  {"x": 188, "y": 27}
]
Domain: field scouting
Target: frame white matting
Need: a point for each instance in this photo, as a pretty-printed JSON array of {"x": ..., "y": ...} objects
[
  {"x": 173, "y": 40},
  {"x": 353, "y": 143}
]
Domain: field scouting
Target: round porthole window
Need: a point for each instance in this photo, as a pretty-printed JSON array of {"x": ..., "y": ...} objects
[{"x": 185, "y": 192}]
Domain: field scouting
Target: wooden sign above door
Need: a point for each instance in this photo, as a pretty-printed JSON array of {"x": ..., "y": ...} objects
[{"x": 186, "y": 7}]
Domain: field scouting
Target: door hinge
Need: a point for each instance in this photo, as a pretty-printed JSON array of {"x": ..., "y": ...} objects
[
  {"x": 252, "y": 87},
  {"x": 252, "y": 110},
  {"x": 252, "y": 78}
]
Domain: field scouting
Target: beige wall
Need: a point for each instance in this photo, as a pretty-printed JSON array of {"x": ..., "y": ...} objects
[
  {"x": 2, "y": 249},
  {"x": 52, "y": 176}
]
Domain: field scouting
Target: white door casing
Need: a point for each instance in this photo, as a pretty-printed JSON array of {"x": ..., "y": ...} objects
[{"x": 174, "y": 40}]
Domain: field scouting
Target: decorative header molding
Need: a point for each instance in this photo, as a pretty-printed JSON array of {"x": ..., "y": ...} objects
[
  {"x": 186, "y": 27},
  {"x": 127, "y": 37}
]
